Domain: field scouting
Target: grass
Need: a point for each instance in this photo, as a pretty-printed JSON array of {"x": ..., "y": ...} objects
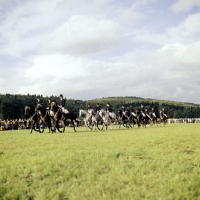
[{"x": 146, "y": 163}]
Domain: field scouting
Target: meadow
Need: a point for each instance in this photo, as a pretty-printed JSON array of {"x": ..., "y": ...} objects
[{"x": 139, "y": 163}]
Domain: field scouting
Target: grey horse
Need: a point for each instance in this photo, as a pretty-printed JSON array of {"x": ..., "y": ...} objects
[
  {"x": 87, "y": 118},
  {"x": 90, "y": 118},
  {"x": 107, "y": 118}
]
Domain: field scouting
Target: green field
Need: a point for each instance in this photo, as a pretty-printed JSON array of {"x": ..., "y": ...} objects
[{"x": 146, "y": 163}]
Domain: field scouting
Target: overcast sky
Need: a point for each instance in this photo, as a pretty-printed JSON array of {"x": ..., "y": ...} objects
[{"x": 87, "y": 49}]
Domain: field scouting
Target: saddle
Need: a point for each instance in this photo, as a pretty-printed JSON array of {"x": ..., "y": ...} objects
[{"x": 63, "y": 110}]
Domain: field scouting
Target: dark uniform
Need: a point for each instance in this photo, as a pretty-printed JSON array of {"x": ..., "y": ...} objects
[
  {"x": 131, "y": 108},
  {"x": 123, "y": 108},
  {"x": 142, "y": 110},
  {"x": 108, "y": 107},
  {"x": 153, "y": 112},
  {"x": 89, "y": 107},
  {"x": 62, "y": 101},
  {"x": 97, "y": 108}
]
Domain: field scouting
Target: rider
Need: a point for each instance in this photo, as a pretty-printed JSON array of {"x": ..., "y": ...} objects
[
  {"x": 49, "y": 104},
  {"x": 153, "y": 112},
  {"x": 89, "y": 107},
  {"x": 142, "y": 110},
  {"x": 131, "y": 108},
  {"x": 49, "y": 107},
  {"x": 146, "y": 112},
  {"x": 62, "y": 104},
  {"x": 109, "y": 109},
  {"x": 98, "y": 107},
  {"x": 123, "y": 109},
  {"x": 163, "y": 112}
]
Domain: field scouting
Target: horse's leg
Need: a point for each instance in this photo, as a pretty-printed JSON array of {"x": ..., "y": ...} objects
[
  {"x": 32, "y": 127},
  {"x": 73, "y": 125},
  {"x": 43, "y": 127},
  {"x": 138, "y": 122},
  {"x": 98, "y": 125},
  {"x": 103, "y": 126},
  {"x": 57, "y": 126},
  {"x": 64, "y": 124}
]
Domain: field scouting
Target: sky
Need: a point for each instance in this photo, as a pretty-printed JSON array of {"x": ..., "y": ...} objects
[{"x": 88, "y": 49}]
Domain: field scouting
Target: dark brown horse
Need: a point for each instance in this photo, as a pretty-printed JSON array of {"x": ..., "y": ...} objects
[
  {"x": 163, "y": 117},
  {"x": 153, "y": 118},
  {"x": 34, "y": 117},
  {"x": 59, "y": 116},
  {"x": 44, "y": 117}
]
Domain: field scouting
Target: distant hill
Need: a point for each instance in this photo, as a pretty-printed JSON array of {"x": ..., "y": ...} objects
[{"x": 133, "y": 100}]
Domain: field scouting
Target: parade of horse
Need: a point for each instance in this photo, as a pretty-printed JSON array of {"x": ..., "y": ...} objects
[{"x": 56, "y": 117}]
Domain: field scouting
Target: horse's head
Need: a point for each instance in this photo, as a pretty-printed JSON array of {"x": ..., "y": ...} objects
[
  {"x": 91, "y": 111},
  {"x": 80, "y": 113},
  {"x": 53, "y": 106},
  {"x": 38, "y": 107},
  {"x": 26, "y": 110}
]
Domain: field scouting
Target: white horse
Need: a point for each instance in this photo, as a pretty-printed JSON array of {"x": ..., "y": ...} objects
[{"x": 107, "y": 118}]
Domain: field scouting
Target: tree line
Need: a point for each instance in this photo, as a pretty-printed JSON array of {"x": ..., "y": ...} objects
[{"x": 12, "y": 106}]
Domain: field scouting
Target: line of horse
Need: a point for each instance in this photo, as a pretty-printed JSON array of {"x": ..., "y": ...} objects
[
  {"x": 126, "y": 118},
  {"x": 54, "y": 116}
]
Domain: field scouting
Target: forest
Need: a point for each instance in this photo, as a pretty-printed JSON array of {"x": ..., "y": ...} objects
[{"x": 12, "y": 105}]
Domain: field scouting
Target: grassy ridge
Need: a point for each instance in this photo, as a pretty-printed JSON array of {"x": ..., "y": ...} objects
[{"x": 151, "y": 163}]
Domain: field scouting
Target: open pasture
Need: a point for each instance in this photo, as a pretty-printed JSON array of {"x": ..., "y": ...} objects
[{"x": 139, "y": 163}]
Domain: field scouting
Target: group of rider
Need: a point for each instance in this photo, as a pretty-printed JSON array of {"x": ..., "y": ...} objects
[
  {"x": 61, "y": 103},
  {"x": 141, "y": 110},
  {"x": 97, "y": 108}
]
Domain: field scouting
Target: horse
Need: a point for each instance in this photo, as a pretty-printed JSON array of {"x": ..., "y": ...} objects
[
  {"x": 96, "y": 119},
  {"x": 44, "y": 117},
  {"x": 123, "y": 119},
  {"x": 59, "y": 115},
  {"x": 107, "y": 118},
  {"x": 163, "y": 118},
  {"x": 87, "y": 118},
  {"x": 142, "y": 118},
  {"x": 30, "y": 110},
  {"x": 132, "y": 116},
  {"x": 153, "y": 118}
]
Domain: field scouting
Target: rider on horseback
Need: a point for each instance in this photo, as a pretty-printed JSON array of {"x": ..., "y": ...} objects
[
  {"x": 146, "y": 113},
  {"x": 164, "y": 114},
  {"x": 49, "y": 104},
  {"x": 89, "y": 107},
  {"x": 49, "y": 107},
  {"x": 153, "y": 112},
  {"x": 131, "y": 108},
  {"x": 109, "y": 109},
  {"x": 97, "y": 108},
  {"x": 142, "y": 111},
  {"x": 62, "y": 104}
]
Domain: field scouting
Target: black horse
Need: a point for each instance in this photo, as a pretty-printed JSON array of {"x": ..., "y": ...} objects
[
  {"x": 142, "y": 118},
  {"x": 34, "y": 117},
  {"x": 59, "y": 116},
  {"x": 123, "y": 119},
  {"x": 132, "y": 117}
]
